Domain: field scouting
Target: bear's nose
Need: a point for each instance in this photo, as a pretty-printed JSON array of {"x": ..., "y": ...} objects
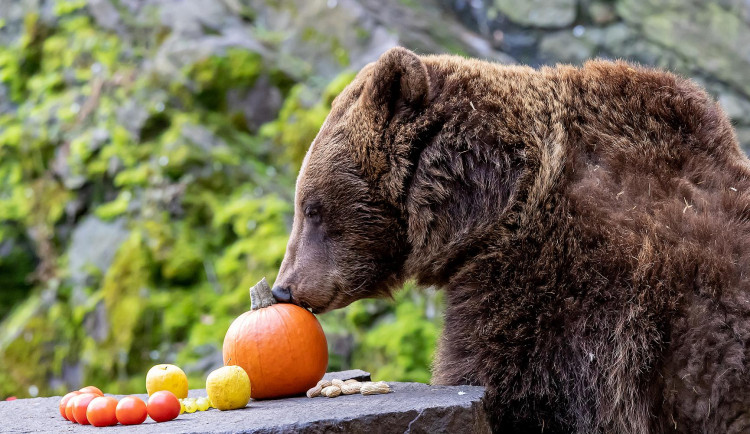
[{"x": 282, "y": 294}]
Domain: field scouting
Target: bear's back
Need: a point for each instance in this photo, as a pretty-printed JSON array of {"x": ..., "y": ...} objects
[
  {"x": 654, "y": 168},
  {"x": 649, "y": 162}
]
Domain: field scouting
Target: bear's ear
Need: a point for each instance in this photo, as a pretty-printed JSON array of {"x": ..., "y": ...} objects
[
  {"x": 398, "y": 79},
  {"x": 397, "y": 82}
]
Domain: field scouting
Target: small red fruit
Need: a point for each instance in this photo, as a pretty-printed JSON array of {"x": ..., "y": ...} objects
[
  {"x": 131, "y": 410},
  {"x": 163, "y": 406},
  {"x": 69, "y": 409},
  {"x": 91, "y": 389},
  {"x": 80, "y": 404},
  {"x": 11, "y": 398},
  {"x": 102, "y": 411},
  {"x": 64, "y": 402}
]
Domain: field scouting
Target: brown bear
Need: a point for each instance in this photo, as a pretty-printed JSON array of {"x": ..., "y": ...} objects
[{"x": 590, "y": 228}]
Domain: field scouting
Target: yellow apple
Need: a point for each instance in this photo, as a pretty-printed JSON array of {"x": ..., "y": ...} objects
[{"x": 167, "y": 377}]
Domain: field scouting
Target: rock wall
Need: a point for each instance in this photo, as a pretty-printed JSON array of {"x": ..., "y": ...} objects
[
  {"x": 148, "y": 151},
  {"x": 708, "y": 41}
]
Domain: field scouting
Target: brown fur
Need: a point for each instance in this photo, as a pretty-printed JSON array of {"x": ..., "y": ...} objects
[{"x": 589, "y": 227}]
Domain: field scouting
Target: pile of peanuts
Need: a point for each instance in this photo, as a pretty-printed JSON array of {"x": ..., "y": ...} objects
[{"x": 334, "y": 388}]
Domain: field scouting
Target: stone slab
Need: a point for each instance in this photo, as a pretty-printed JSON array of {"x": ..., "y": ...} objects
[{"x": 411, "y": 407}]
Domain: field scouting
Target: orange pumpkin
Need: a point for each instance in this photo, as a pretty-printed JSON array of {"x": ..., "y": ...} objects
[{"x": 281, "y": 346}]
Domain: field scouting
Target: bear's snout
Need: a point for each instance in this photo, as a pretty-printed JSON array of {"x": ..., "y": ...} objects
[{"x": 282, "y": 294}]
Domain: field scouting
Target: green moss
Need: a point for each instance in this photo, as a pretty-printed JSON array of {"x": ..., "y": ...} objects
[
  {"x": 122, "y": 288},
  {"x": 214, "y": 76},
  {"x": 28, "y": 356},
  {"x": 207, "y": 204},
  {"x": 299, "y": 120},
  {"x": 15, "y": 266},
  {"x": 410, "y": 4},
  {"x": 313, "y": 36},
  {"x": 397, "y": 344},
  {"x": 115, "y": 208}
]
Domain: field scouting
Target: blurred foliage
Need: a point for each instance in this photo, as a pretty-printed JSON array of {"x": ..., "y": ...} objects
[
  {"x": 306, "y": 121},
  {"x": 203, "y": 198}
]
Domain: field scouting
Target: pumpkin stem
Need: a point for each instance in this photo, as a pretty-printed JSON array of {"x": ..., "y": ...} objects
[{"x": 261, "y": 296}]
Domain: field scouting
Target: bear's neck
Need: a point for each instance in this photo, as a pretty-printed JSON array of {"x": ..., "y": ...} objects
[{"x": 484, "y": 176}]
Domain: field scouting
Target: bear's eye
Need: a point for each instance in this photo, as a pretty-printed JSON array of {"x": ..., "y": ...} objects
[{"x": 312, "y": 213}]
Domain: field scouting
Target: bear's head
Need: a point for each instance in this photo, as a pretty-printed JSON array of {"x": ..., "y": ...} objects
[{"x": 349, "y": 236}]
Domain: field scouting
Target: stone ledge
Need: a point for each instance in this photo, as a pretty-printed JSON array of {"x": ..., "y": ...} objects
[{"x": 412, "y": 407}]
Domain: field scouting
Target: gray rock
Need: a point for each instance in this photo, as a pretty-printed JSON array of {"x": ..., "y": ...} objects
[
  {"x": 483, "y": 49},
  {"x": 178, "y": 51},
  {"x": 105, "y": 14},
  {"x": 6, "y": 247},
  {"x": 210, "y": 358},
  {"x": 200, "y": 136},
  {"x": 518, "y": 40},
  {"x": 62, "y": 168},
  {"x": 352, "y": 374},
  {"x": 341, "y": 344},
  {"x": 381, "y": 39},
  {"x": 743, "y": 136},
  {"x": 94, "y": 243},
  {"x": 714, "y": 40},
  {"x": 327, "y": 35},
  {"x": 602, "y": 12},
  {"x": 411, "y": 407},
  {"x": 425, "y": 28},
  {"x": 736, "y": 107},
  {"x": 72, "y": 374},
  {"x": 195, "y": 17},
  {"x": 5, "y": 105},
  {"x": 563, "y": 46},
  {"x": 643, "y": 51},
  {"x": 13, "y": 13},
  {"x": 616, "y": 36},
  {"x": 740, "y": 7},
  {"x": 539, "y": 13},
  {"x": 199, "y": 30},
  {"x": 313, "y": 38},
  {"x": 96, "y": 323},
  {"x": 132, "y": 115},
  {"x": 259, "y": 105}
]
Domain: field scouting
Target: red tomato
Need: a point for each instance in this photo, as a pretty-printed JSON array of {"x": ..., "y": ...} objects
[
  {"x": 64, "y": 402},
  {"x": 131, "y": 410},
  {"x": 80, "y": 404},
  {"x": 91, "y": 389},
  {"x": 11, "y": 398},
  {"x": 101, "y": 411},
  {"x": 69, "y": 409},
  {"x": 163, "y": 406}
]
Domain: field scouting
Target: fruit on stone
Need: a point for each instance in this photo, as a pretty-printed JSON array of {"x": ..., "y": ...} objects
[
  {"x": 131, "y": 410},
  {"x": 91, "y": 389},
  {"x": 163, "y": 406},
  {"x": 190, "y": 406},
  {"x": 228, "y": 388},
  {"x": 202, "y": 404},
  {"x": 101, "y": 411},
  {"x": 69, "y": 410},
  {"x": 64, "y": 402},
  {"x": 167, "y": 377},
  {"x": 80, "y": 404},
  {"x": 281, "y": 346}
]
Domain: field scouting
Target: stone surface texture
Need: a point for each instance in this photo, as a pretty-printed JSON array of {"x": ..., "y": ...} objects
[
  {"x": 541, "y": 13},
  {"x": 708, "y": 41},
  {"x": 411, "y": 407}
]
